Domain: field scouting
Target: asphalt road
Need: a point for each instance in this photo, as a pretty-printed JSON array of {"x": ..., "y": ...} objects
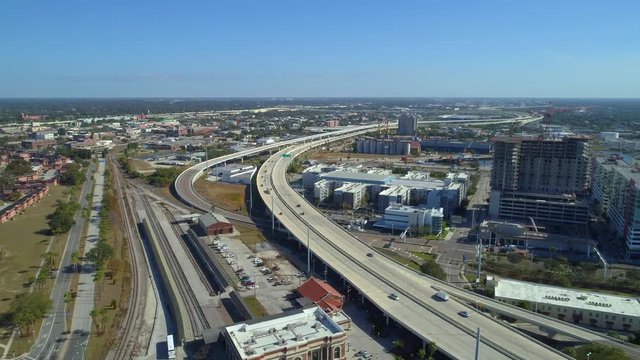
[
  {"x": 51, "y": 338},
  {"x": 84, "y": 302}
]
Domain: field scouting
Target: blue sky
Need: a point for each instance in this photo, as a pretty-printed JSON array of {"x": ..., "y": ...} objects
[{"x": 319, "y": 48}]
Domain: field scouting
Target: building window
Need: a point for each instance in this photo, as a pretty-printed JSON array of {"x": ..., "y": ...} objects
[{"x": 336, "y": 352}]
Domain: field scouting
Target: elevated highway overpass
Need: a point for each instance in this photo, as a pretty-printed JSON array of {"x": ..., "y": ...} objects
[{"x": 376, "y": 277}]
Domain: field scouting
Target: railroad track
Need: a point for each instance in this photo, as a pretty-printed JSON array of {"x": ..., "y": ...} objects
[
  {"x": 132, "y": 322},
  {"x": 180, "y": 234},
  {"x": 197, "y": 319}
]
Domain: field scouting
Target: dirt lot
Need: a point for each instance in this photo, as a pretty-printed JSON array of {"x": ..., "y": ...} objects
[
  {"x": 141, "y": 166},
  {"x": 24, "y": 239},
  {"x": 226, "y": 196}
]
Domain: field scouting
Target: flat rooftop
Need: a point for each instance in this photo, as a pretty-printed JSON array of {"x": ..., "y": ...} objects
[
  {"x": 290, "y": 329},
  {"x": 358, "y": 177},
  {"x": 583, "y": 300}
]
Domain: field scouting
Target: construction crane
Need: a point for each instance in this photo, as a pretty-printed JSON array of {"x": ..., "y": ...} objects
[{"x": 546, "y": 121}]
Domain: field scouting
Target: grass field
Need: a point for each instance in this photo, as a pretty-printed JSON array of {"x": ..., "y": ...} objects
[
  {"x": 249, "y": 236},
  {"x": 400, "y": 259},
  {"x": 25, "y": 238},
  {"x": 226, "y": 196},
  {"x": 255, "y": 306}
]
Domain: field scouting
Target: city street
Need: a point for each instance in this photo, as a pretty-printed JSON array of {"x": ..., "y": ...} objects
[{"x": 51, "y": 339}]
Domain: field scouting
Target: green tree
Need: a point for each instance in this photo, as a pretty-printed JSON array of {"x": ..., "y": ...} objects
[
  {"x": 75, "y": 260},
  {"x": 18, "y": 167},
  {"x": 432, "y": 268},
  {"x": 100, "y": 253},
  {"x": 432, "y": 347},
  {"x": 398, "y": 346},
  {"x": 514, "y": 258},
  {"x": 98, "y": 316},
  {"x": 26, "y": 308},
  {"x": 598, "y": 352}
]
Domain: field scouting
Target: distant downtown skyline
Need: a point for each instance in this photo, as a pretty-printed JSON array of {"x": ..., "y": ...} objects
[{"x": 146, "y": 48}]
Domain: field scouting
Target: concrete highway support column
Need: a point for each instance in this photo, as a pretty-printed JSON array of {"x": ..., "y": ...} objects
[{"x": 386, "y": 319}]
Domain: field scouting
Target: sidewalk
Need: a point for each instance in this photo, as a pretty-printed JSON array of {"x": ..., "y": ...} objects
[{"x": 81, "y": 320}]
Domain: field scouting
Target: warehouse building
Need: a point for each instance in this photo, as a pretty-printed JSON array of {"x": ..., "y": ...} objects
[
  {"x": 214, "y": 224},
  {"x": 233, "y": 173},
  {"x": 604, "y": 311}
]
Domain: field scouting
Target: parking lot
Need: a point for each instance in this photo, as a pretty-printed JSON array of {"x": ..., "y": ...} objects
[{"x": 261, "y": 273}]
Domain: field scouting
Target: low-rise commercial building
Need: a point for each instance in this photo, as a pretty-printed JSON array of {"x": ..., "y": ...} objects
[
  {"x": 214, "y": 224},
  {"x": 578, "y": 307},
  {"x": 295, "y": 335},
  {"x": 400, "y": 217},
  {"x": 234, "y": 173}
]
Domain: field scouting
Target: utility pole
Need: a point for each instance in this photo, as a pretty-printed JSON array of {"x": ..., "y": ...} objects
[{"x": 477, "y": 357}]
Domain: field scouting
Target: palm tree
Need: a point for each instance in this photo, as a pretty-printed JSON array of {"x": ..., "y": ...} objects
[
  {"x": 432, "y": 347},
  {"x": 75, "y": 259}
]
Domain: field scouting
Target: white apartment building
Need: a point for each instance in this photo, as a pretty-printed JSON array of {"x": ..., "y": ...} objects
[{"x": 400, "y": 217}]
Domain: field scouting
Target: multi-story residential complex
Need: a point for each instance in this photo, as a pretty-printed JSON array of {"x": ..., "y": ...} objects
[
  {"x": 384, "y": 189},
  {"x": 541, "y": 178},
  {"x": 407, "y": 124},
  {"x": 350, "y": 196},
  {"x": 616, "y": 187},
  {"x": 579, "y": 307},
  {"x": 383, "y": 146},
  {"x": 332, "y": 123},
  {"x": 295, "y": 335},
  {"x": 400, "y": 217}
]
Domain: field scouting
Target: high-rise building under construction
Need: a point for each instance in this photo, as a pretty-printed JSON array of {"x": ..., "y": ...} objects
[{"x": 546, "y": 179}]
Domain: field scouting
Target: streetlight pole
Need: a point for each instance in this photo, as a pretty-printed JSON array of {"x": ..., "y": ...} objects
[{"x": 308, "y": 250}]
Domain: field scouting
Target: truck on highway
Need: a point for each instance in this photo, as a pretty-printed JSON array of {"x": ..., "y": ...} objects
[{"x": 443, "y": 296}]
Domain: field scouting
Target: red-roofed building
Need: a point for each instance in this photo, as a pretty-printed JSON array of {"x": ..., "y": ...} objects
[{"x": 322, "y": 294}]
